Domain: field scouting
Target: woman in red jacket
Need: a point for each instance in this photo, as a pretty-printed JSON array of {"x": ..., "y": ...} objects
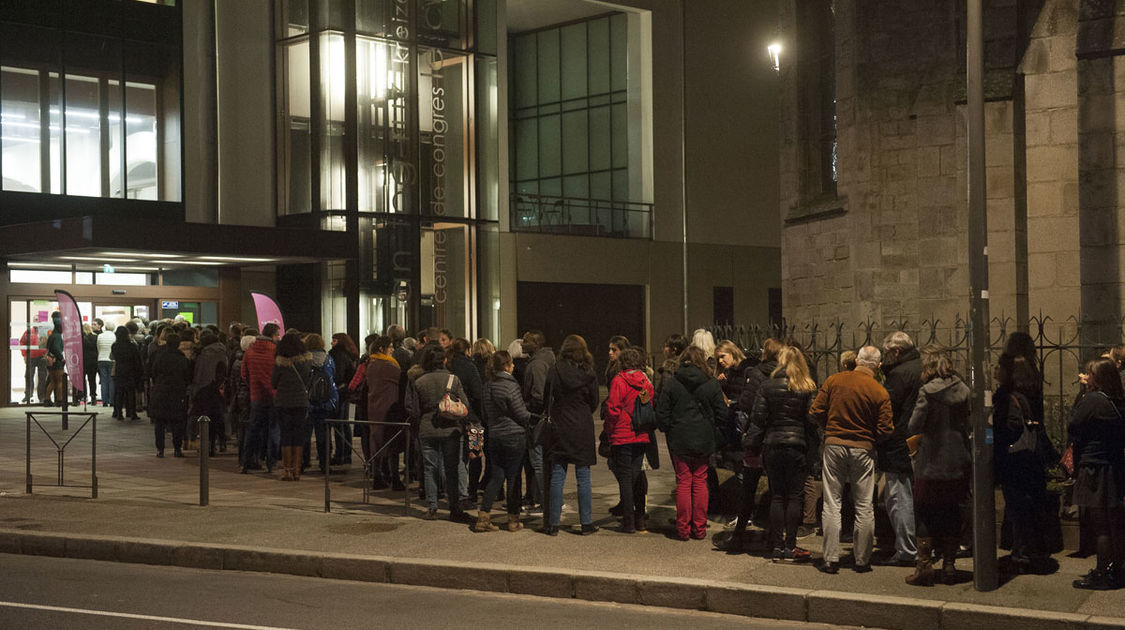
[{"x": 627, "y": 447}]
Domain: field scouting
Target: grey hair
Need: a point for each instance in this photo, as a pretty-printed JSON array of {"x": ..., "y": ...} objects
[
  {"x": 704, "y": 340},
  {"x": 869, "y": 357},
  {"x": 899, "y": 341}
]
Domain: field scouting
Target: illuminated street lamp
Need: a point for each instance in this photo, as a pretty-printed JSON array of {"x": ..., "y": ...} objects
[{"x": 775, "y": 55}]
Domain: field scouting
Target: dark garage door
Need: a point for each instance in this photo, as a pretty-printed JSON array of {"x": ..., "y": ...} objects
[{"x": 595, "y": 311}]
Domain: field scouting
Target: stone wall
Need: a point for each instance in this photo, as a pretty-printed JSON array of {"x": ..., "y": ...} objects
[{"x": 899, "y": 249}]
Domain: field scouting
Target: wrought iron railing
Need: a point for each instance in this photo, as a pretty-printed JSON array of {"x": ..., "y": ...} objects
[
  {"x": 1063, "y": 346},
  {"x": 580, "y": 217}
]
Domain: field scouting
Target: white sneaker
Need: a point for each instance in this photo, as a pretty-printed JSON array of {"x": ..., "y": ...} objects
[{"x": 566, "y": 507}]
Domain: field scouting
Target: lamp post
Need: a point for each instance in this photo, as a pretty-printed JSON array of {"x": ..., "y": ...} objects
[{"x": 984, "y": 494}]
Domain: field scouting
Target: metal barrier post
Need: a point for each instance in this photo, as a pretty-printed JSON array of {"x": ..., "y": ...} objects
[
  {"x": 204, "y": 458},
  {"x": 329, "y": 435},
  {"x": 27, "y": 477},
  {"x": 407, "y": 443},
  {"x": 94, "y": 456}
]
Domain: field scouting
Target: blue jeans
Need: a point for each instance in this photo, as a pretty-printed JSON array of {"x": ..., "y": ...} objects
[
  {"x": 260, "y": 439},
  {"x": 535, "y": 456},
  {"x": 898, "y": 497},
  {"x": 442, "y": 454},
  {"x": 505, "y": 455},
  {"x": 104, "y": 368},
  {"x": 585, "y": 496}
]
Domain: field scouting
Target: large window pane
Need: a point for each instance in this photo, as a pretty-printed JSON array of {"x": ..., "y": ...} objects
[
  {"x": 486, "y": 26},
  {"x": 442, "y": 81},
  {"x": 574, "y": 61},
  {"x": 83, "y": 137},
  {"x": 598, "y": 33},
  {"x": 333, "y": 187},
  {"x": 548, "y": 66},
  {"x": 527, "y": 149},
  {"x": 575, "y": 142},
  {"x": 296, "y": 166},
  {"x": 488, "y": 140},
  {"x": 550, "y": 147},
  {"x": 20, "y": 133},
  {"x": 619, "y": 38},
  {"x": 141, "y": 148},
  {"x": 524, "y": 60},
  {"x": 600, "y": 158},
  {"x": 115, "y": 135}
]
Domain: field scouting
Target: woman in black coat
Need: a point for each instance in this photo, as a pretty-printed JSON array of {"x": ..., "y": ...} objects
[
  {"x": 128, "y": 373},
  {"x": 1017, "y": 404},
  {"x": 1098, "y": 432},
  {"x": 782, "y": 433},
  {"x": 171, "y": 375},
  {"x": 572, "y": 395}
]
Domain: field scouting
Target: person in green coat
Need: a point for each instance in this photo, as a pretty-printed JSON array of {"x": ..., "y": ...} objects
[{"x": 687, "y": 407}]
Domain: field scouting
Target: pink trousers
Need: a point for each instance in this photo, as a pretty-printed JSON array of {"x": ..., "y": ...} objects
[{"x": 691, "y": 496}]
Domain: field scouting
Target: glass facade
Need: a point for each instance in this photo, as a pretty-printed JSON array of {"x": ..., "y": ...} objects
[
  {"x": 388, "y": 127},
  {"x": 570, "y": 118},
  {"x": 89, "y": 114}
]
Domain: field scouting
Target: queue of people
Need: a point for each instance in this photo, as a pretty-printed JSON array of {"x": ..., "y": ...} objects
[{"x": 508, "y": 426}]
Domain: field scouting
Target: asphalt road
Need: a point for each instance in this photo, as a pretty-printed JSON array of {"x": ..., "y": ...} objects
[{"x": 40, "y": 592}]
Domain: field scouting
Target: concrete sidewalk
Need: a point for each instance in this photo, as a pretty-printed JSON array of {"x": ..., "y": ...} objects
[{"x": 147, "y": 512}]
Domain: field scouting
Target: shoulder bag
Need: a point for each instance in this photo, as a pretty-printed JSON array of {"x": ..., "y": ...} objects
[{"x": 450, "y": 407}]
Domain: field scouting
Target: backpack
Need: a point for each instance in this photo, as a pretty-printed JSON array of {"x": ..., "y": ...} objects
[
  {"x": 320, "y": 386},
  {"x": 644, "y": 414}
]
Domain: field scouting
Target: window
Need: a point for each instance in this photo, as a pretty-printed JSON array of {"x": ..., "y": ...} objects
[
  {"x": 96, "y": 129},
  {"x": 816, "y": 76},
  {"x": 570, "y": 119}
]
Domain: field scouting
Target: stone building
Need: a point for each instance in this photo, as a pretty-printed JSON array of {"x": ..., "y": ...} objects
[{"x": 873, "y": 160}]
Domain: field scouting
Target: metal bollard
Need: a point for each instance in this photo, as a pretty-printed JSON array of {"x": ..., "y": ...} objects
[{"x": 204, "y": 458}]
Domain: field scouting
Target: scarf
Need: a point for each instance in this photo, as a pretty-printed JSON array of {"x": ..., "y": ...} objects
[{"x": 378, "y": 356}]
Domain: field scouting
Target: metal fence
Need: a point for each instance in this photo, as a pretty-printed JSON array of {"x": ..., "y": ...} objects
[{"x": 1063, "y": 346}]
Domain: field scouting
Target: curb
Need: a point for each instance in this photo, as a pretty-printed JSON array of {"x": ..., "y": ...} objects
[{"x": 791, "y": 604}]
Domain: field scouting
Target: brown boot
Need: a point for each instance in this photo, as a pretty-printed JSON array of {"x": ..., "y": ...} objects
[
  {"x": 924, "y": 566},
  {"x": 484, "y": 523},
  {"x": 949, "y": 548},
  {"x": 295, "y": 455},
  {"x": 514, "y": 524},
  {"x": 286, "y": 475}
]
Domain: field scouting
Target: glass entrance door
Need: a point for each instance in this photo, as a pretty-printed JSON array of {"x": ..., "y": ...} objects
[{"x": 27, "y": 341}]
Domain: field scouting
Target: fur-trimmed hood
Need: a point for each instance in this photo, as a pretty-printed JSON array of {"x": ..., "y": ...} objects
[{"x": 292, "y": 361}]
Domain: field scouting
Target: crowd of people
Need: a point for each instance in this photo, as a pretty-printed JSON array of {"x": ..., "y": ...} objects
[{"x": 506, "y": 426}]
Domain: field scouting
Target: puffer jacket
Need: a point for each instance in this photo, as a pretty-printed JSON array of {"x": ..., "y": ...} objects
[
  {"x": 780, "y": 418},
  {"x": 290, "y": 380},
  {"x": 504, "y": 410},
  {"x": 257, "y": 366},
  {"x": 535, "y": 378},
  {"x": 755, "y": 376},
  {"x": 689, "y": 404},
  {"x": 623, "y": 392},
  {"x": 941, "y": 416},
  {"x": 735, "y": 381}
]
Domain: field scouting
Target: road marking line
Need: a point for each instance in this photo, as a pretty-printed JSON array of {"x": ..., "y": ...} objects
[{"x": 106, "y": 613}]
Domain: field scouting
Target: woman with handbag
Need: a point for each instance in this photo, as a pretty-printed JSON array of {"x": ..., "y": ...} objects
[
  {"x": 290, "y": 380},
  {"x": 507, "y": 419},
  {"x": 690, "y": 401},
  {"x": 1097, "y": 431},
  {"x": 437, "y": 399},
  {"x": 1017, "y": 405},
  {"x": 568, "y": 435},
  {"x": 626, "y": 445},
  {"x": 942, "y": 464},
  {"x": 781, "y": 432}
]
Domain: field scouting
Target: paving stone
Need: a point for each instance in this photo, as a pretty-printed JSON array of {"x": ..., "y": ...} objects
[
  {"x": 976, "y": 617},
  {"x": 758, "y": 601},
  {"x": 606, "y": 589},
  {"x": 351, "y": 568}
]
